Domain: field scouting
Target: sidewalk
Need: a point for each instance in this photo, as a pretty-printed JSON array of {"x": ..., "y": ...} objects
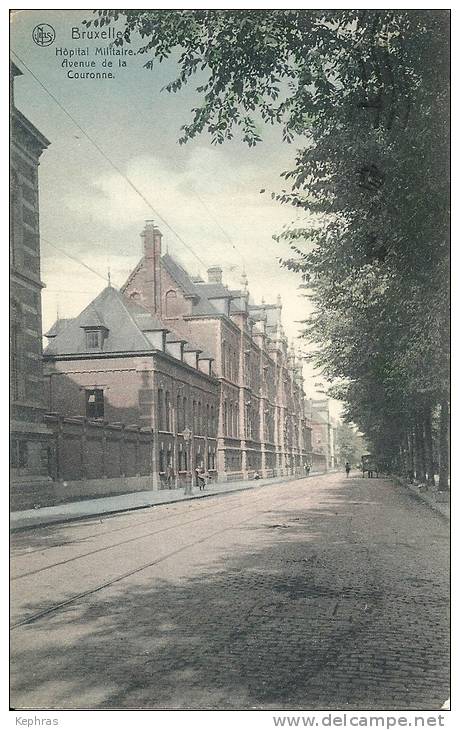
[
  {"x": 430, "y": 496},
  {"x": 70, "y": 511}
]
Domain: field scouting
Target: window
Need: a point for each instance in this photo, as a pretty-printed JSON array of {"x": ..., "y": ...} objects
[
  {"x": 160, "y": 410},
  {"x": 224, "y": 358},
  {"x": 194, "y": 417},
  {"x": 199, "y": 419},
  {"x": 162, "y": 460},
  {"x": 208, "y": 423},
  {"x": 172, "y": 306},
  {"x": 167, "y": 412},
  {"x": 225, "y": 424},
  {"x": 93, "y": 340},
  {"x": 19, "y": 454},
  {"x": 184, "y": 413},
  {"x": 95, "y": 403},
  {"x": 15, "y": 360},
  {"x": 179, "y": 424}
]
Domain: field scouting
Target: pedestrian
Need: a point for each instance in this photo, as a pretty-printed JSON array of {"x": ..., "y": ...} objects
[
  {"x": 170, "y": 477},
  {"x": 307, "y": 469},
  {"x": 347, "y": 467},
  {"x": 200, "y": 480},
  {"x": 256, "y": 475}
]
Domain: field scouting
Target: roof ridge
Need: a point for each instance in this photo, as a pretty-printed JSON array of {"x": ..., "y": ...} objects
[
  {"x": 132, "y": 274},
  {"x": 126, "y": 308}
]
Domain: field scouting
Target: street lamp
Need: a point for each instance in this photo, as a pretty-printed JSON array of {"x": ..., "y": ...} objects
[{"x": 187, "y": 435}]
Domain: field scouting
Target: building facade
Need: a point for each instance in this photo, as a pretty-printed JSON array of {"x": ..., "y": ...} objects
[
  {"x": 323, "y": 435},
  {"x": 206, "y": 369},
  {"x": 263, "y": 423},
  {"x": 116, "y": 363},
  {"x": 30, "y": 438}
]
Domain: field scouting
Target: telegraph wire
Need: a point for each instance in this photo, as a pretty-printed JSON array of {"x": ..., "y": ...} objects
[
  {"x": 74, "y": 258},
  {"x": 109, "y": 160}
]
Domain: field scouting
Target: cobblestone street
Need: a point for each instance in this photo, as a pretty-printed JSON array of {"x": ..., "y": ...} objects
[{"x": 320, "y": 593}]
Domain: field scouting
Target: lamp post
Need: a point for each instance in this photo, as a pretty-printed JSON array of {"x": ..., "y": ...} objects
[{"x": 187, "y": 434}]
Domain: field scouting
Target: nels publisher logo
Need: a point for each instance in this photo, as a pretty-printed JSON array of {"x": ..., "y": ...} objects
[{"x": 43, "y": 34}]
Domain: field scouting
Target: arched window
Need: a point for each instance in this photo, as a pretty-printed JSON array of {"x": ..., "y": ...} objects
[
  {"x": 171, "y": 304},
  {"x": 237, "y": 419},
  {"x": 230, "y": 420}
]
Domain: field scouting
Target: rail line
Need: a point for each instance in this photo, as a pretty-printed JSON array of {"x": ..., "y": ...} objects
[
  {"x": 62, "y": 604},
  {"x": 124, "y": 542},
  {"x": 114, "y": 515}
]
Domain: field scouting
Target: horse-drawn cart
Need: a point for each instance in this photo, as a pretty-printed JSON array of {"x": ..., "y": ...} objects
[{"x": 369, "y": 465}]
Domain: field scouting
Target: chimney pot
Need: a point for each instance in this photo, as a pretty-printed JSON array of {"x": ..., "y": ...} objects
[{"x": 215, "y": 275}]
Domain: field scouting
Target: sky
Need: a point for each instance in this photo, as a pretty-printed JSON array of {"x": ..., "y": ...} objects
[{"x": 209, "y": 195}]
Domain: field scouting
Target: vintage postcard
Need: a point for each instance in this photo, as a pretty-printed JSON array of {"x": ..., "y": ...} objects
[{"x": 229, "y": 363}]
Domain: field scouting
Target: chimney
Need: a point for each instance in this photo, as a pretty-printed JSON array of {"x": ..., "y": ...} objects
[
  {"x": 215, "y": 275},
  {"x": 151, "y": 236}
]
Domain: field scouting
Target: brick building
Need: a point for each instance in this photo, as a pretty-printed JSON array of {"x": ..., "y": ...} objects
[
  {"x": 30, "y": 438},
  {"x": 178, "y": 354},
  {"x": 323, "y": 435},
  {"x": 118, "y": 363}
]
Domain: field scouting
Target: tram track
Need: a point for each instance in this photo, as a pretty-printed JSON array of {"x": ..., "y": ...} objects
[
  {"x": 105, "y": 517},
  {"x": 107, "y": 584},
  {"x": 161, "y": 518},
  {"x": 122, "y": 542},
  {"x": 195, "y": 505}
]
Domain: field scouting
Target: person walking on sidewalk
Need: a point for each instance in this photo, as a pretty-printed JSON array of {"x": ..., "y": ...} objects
[{"x": 347, "y": 467}]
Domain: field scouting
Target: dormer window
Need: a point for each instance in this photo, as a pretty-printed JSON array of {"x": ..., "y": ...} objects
[{"x": 93, "y": 339}]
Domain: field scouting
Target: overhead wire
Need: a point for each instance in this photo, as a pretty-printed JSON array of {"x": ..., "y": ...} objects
[
  {"x": 109, "y": 160},
  {"x": 73, "y": 258}
]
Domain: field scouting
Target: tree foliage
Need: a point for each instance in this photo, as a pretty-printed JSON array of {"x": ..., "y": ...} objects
[{"x": 365, "y": 96}]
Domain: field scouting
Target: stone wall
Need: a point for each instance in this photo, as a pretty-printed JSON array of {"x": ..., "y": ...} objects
[{"x": 90, "y": 459}]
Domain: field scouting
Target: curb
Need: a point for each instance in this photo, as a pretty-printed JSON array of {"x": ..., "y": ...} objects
[
  {"x": 435, "y": 506},
  {"x": 78, "y": 518}
]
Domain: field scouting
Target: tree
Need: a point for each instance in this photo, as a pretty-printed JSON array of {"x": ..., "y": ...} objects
[
  {"x": 350, "y": 445},
  {"x": 365, "y": 93}
]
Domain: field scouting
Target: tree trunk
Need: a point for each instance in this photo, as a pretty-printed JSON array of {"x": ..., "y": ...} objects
[
  {"x": 444, "y": 446},
  {"x": 403, "y": 456},
  {"x": 411, "y": 444},
  {"x": 420, "y": 471},
  {"x": 428, "y": 433}
]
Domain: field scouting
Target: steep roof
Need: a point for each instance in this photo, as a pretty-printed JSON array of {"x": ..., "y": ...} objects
[
  {"x": 179, "y": 275},
  {"x": 200, "y": 303},
  {"x": 125, "y": 322},
  {"x": 214, "y": 290},
  {"x": 58, "y": 326},
  {"x": 119, "y": 316},
  {"x": 92, "y": 318}
]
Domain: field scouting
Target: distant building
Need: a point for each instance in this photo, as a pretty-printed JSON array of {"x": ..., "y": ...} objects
[
  {"x": 184, "y": 356},
  {"x": 30, "y": 438},
  {"x": 323, "y": 435}
]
